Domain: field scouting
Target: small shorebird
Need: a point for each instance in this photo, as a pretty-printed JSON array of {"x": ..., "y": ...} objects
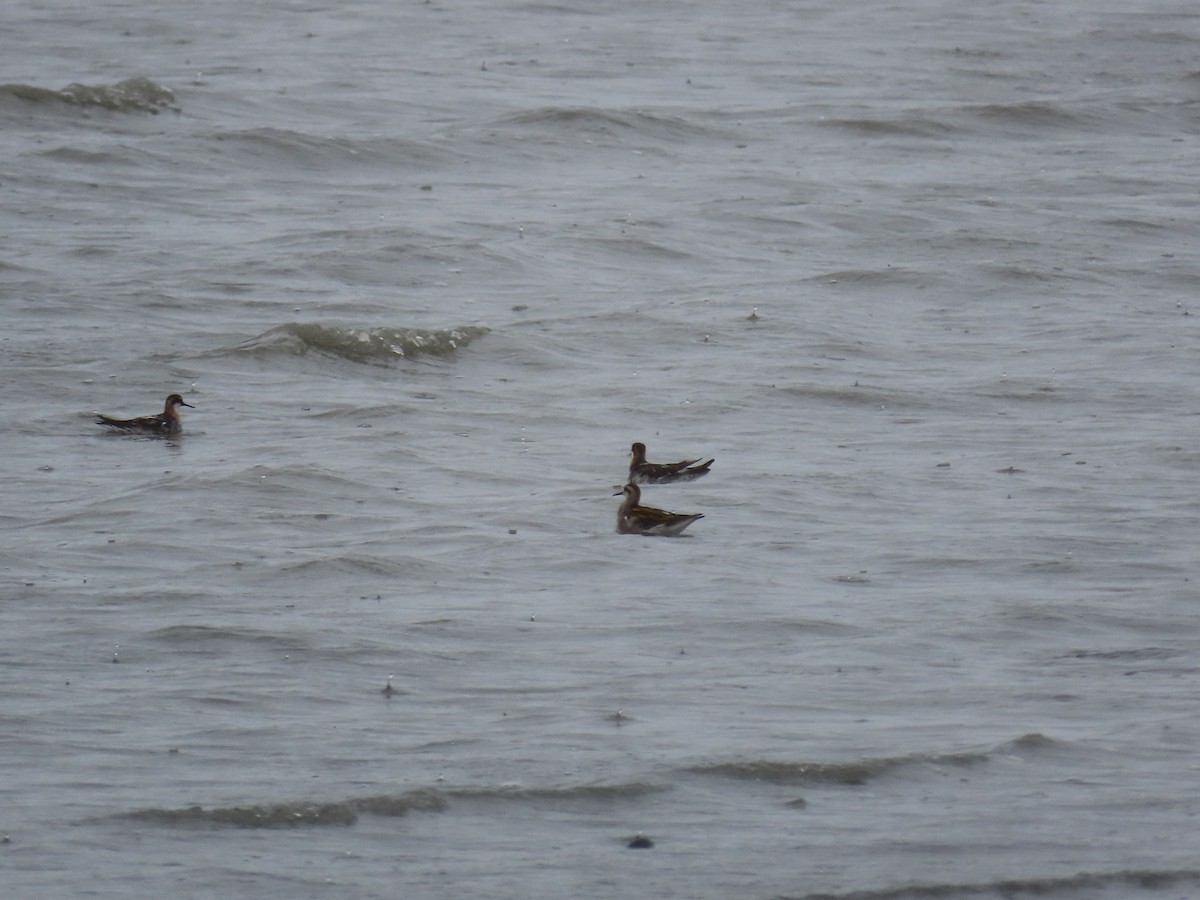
[
  {"x": 642, "y": 472},
  {"x": 166, "y": 422},
  {"x": 632, "y": 518}
]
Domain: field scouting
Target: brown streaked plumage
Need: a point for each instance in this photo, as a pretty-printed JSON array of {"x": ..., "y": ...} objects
[
  {"x": 642, "y": 472},
  {"x": 166, "y": 422},
  {"x": 633, "y": 518}
]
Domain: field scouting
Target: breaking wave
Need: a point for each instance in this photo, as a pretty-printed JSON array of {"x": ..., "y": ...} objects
[
  {"x": 130, "y": 95},
  {"x": 377, "y": 346}
]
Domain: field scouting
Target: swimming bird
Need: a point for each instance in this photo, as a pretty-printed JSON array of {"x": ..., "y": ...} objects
[
  {"x": 633, "y": 518},
  {"x": 642, "y": 472},
  {"x": 166, "y": 422}
]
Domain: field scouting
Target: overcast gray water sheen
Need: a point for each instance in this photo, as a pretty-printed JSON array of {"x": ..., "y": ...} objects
[{"x": 920, "y": 276}]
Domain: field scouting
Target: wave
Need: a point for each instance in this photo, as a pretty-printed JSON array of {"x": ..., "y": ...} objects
[
  {"x": 378, "y": 346},
  {"x": 346, "y": 812},
  {"x": 872, "y": 277},
  {"x": 863, "y": 770},
  {"x": 272, "y": 146},
  {"x": 848, "y": 773},
  {"x": 355, "y": 567},
  {"x": 291, "y": 815},
  {"x": 130, "y": 95},
  {"x": 916, "y": 127},
  {"x": 1031, "y": 113},
  {"x": 858, "y": 395},
  {"x": 594, "y": 121},
  {"x": 192, "y": 637},
  {"x": 586, "y": 128},
  {"x": 583, "y": 793},
  {"x": 1082, "y": 884}
]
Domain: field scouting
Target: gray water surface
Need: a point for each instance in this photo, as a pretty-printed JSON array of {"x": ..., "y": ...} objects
[{"x": 920, "y": 276}]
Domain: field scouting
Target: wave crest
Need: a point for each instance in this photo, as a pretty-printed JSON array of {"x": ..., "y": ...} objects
[
  {"x": 377, "y": 346},
  {"x": 130, "y": 95},
  {"x": 848, "y": 773},
  {"x": 291, "y": 815},
  {"x": 346, "y": 812},
  {"x": 1085, "y": 884}
]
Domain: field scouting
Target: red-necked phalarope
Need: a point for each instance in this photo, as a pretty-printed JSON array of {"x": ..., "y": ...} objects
[
  {"x": 635, "y": 519},
  {"x": 166, "y": 422},
  {"x": 642, "y": 472}
]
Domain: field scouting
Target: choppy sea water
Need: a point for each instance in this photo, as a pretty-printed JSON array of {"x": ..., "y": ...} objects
[{"x": 920, "y": 278}]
